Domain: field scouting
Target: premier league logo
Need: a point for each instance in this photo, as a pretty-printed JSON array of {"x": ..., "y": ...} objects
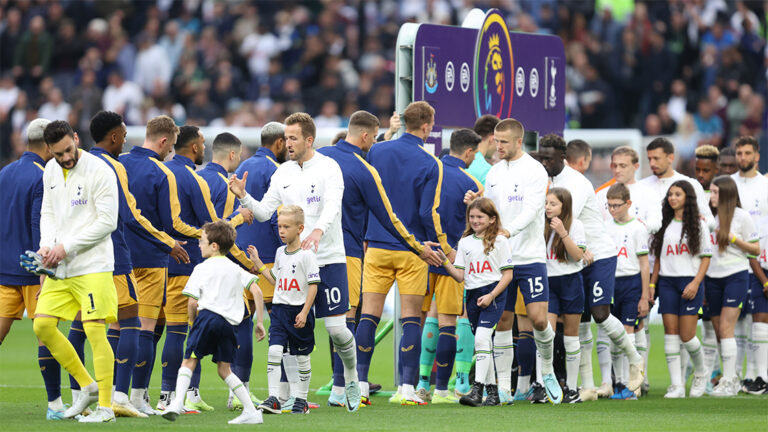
[
  {"x": 431, "y": 82},
  {"x": 493, "y": 67}
]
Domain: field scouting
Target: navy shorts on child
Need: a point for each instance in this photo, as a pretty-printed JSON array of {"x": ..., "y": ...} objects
[
  {"x": 297, "y": 341},
  {"x": 211, "y": 334}
]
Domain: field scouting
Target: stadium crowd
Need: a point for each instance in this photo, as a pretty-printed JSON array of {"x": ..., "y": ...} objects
[{"x": 694, "y": 69}]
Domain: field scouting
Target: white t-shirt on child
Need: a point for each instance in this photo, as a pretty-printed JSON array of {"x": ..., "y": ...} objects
[
  {"x": 481, "y": 269},
  {"x": 293, "y": 273},
  {"x": 218, "y": 283}
]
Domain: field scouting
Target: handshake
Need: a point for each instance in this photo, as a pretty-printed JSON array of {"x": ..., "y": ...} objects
[{"x": 33, "y": 263}]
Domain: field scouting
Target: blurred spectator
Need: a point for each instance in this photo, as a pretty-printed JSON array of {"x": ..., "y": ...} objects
[
  {"x": 68, "y": 51},
  {"x": 719, "y": 36},
  {"x": 55, "y": 108},
  {"x": 686, "y": 140},
  {"x": 86, "y": 101},
  {"x": 741, "y": 15},
  {"x": 329, "y": 115},
  {"x": 754, "y": 124},
  {"x": 9, "y": 38},
  {"x": 172, "y": 42},
  {"x": 737, "y": 110},
  {"x": 678, "y": 101},
  {"x": 153, "y": 67},
  {"x": 668, "y": 124},
  {"x": 33, "y": 55},
  {"x": 708, "y": 124},
  {"x": 123, "y": 97}
]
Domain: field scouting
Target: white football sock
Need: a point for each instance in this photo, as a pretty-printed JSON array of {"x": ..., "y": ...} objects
[
  {"x": 693, "y": 347},
  {"x": 483, "y": 355},
  {"x": 751, "y": 372},
  {"x": 615, "y": 330},
  {"x": 545, "y": 346},
  {"x": 57, "y": 404},
  {"x": 616, "y": 361},
  {"x": 740, "y": 333},
  {"x": 585, "y": 358},
  {"x": 490, "y": 376},
  {"x": 523, "y": 383},
  {"x": 538, "y": 368},
  {"x": 604, "y": 355},
  {"x": 305, "y": 375},
  {"x": 504, "y": 355},
  {"x": 685, "y": 358},
  {"x": 728, "y": 351},
  {"x": 760, "y": 339},
  {"x": 237, "y": 387},
  {"x": 274, "y": 359},
  {"x": 344, "y": 343},
  {"x": 291, "y": 372},
  {"x": 572, "y": 359},
  {"x": 137, "y": 396},
  {"x": 641, "y": 348},
  {"x": 709, "y": 346},
  {"x": 672, "y": 352},
  {"x": 182, "y": 384},
  {"x": 365, "y": 388},
  {"x": 647, "y": 333}
]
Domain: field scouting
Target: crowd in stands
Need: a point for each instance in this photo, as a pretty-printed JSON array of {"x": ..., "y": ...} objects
[{"x": 696, "y": 69}]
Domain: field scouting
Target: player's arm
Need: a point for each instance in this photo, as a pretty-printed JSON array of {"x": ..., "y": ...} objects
[
  {"x": 105, "y": 200},
  {"x": 192, "y": 309},
  {"x": 301, "y": 318},
  {"x": 748, "y": 240},
  {"x": 645, "y": 279},
  {"x": 506, "y": 278},
  {"x": 654, "y": 278},
  {"x": 192, "y": 291},
  {"x": 533, "y": 203},
  {"x": 428, "y": 204},
  {"x": 258, "y": 300},
  {"x": 575, "y": 251},
  {"x": 454, "y": 269},
  {"x": 262, "y": 269},
  {"x": 169, "y": 207},
  {"x": 759, "y": 274},
  {"x": 332, "y": 197},
  {"x": 262, "y": 210}
]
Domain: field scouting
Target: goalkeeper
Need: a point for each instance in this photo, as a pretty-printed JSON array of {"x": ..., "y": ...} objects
[{"x": 78, "y": 213}]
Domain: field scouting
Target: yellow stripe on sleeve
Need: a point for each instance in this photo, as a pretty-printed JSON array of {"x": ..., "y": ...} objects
[
  {"x": 178, "y": 224},
  {"x": 229, "y": 205},
  {"x": 441, "y": 237},
  {"x": 39, "y": 166}
]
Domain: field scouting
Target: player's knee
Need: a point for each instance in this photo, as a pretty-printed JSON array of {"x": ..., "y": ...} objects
[
  {"x": 540, "y": 322},
  {"x": 44, "y": 327},
  {"x": 223, "y": 369},
  {"x": 601, "y": 313},
  {"x": 275, "y": 351}
]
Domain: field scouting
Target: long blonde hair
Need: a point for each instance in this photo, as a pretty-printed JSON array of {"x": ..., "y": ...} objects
[
  {"x": 566, "y": 216},
  {"x": 486, "y": 206}
]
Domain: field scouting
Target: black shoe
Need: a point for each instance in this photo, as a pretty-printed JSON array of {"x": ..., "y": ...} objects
[
  {"x": 756, "y": 387},
  {"x": 300, "y": 406},
  {"x": 475, "y": 396},
  {"x": 571, "y": 396},
  {"x": 492, "y": 398},
  {"x": 373, "y": 388},
  {"x": 539, "y": 395},
  {"x": 271, "y": 406},
  {"x": 745, "y": 384}
]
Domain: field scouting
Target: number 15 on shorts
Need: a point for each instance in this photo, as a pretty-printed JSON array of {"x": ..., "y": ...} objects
[{"x": 536, "y": 286}]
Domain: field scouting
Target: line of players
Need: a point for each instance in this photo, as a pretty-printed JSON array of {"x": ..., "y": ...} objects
[{"x": 396, "y": 248}]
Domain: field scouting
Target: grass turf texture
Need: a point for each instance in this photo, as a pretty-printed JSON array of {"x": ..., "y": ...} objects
[{"x": 22, "y": 401}]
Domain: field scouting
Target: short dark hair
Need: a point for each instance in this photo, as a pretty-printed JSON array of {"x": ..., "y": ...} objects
[
  {"x": 510, "y": 124},
  {"x": 103, "y": 122},
  {"x": 56, "y": 131},
  {"x": 747, "y": 140},
  {"x": 554, "y": 141},
  {"x": 224, "y": 142},
  {"x": 304, "y": 121},
  {"x": 186, "y": 135},
  {"x": 221, "y": 233},
  {"x": 363, "y": 120},
  {"x": 618, "y": 191},
  {"x": 463, "y": 139},
  {"x": 727, "y": 151},
  {"x": 661, "y": 143},
  {"x": 577, "y": 148},
  {"x": 341, "y": 135},
  {"x": 485, "y": 125}
]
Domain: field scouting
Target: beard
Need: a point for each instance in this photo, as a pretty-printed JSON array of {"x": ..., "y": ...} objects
[{"x": 747, "y": 168}]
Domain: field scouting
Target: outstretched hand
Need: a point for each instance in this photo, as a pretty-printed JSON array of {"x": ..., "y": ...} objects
[{"x": 237, "y": 185}]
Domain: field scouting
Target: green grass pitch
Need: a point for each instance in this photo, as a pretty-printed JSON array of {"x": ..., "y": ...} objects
[{"x": 22, "y": 402}]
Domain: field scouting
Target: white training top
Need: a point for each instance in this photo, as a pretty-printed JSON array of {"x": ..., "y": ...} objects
[
  {"x": 558, "y": 268},
  {"x": 631, "y": 240},
  {"x": 733, "y": 260},
  {"x": 753, "y": 193},
  {"x": 218, "y": 283},
  {"x": 481, "y": 269},
  {"x": 293, "y": 273},
  {"x": 646, "y": 205},
  {"x": 317, "y": 187},
  {"x": 676, "y": 258},
  {"x": 585, "y": 208},
  {"x": 80, "y": 213},
  {"x": 661, "y": 186},
  {"x": 762, "y": 226},
  {"x": 519, "y": 190}
]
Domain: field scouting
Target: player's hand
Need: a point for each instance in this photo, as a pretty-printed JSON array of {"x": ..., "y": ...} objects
[
  {"x": 588, "y": 258},
  {"x": 394, "y": 125},
  {"x": 259, "y": 332},
  {"x": 642, "y": 307},
  {"x": 430, "y": 256},
  {"x": 469, "y": 196},
  {"x": 485, "y": 301},
  {"x": 179, "y": 254},
  {"x": 246, "y": 214},
  {"x": 253, "y": 253},
  {"x": 237, "y": 185},
  {"x": 44, "y": 251},
  {"x": 690, "y": 291},
  {"x": 441, "y": 256},
  {"x": 312, "y": 240},
  {"x": 301, "y": 320},
  {"x": 557, "y": 225},
  {"x": 451, "y": 256},
  {"x": 54, "y": 257}
]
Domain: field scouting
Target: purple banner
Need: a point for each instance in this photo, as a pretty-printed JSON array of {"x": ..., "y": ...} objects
[{"x": 465, "y": 73}]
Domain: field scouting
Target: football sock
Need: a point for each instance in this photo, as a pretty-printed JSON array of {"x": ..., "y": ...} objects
[
  {"x": 291, "y": 367},
  {"x": 504, "y": 356},
  {"x": 344, "y": 345},
  {"x": 526, "y": 352},
  {"x": 126, "y": 353},
  {"x": 305, "y": 375},
  {"x": 616, "y": 362},
  {"x": 351, "y": 324},
  {"x": 604, "y": 355},
  {"x": 693, "y": 347},
  {"x": 728, "y": 351},
  {"x": 143, "y": 367},
  {"x": 173, "y": 354},
  {"x": 61, "y": 349},
  {"x": 446, "y": 352},
  {"x": 157, "y": 334},
  {"x": 429, "y": 345},
  {"x": 544, "y": 345},
  {"x": 538, "y": 367},
  {"x": 483, "y": 353},
  {"x": 465, "y": 346},
  {"x": 195, "y": 383},
  {"x": 558, "y": 354},
  {"x": 183, "y": 379},
  {"x": 641, "y": 348},
  {"x": 672, "y": 353},
  {"x": 103, "y": 360},
  {"x": 410, "y": 348},
  {"x": 750, "y": 373},
  {"x": 244, "y": 354},
  {"x": 760, "y": 339},
  {"x": 585, "y": 361},
  {"x": 113, "y": 337},
  {"x": 338, "y": 365},
  {"x": 615, "y": 330},
  {"x": 51, "y": 371},
  {"x": 740, "y": 334},
  {"x": 77, "y": 338},
  {"x": 274, "y": 359},
  {"x": 365, "y": 335},
  {"x": 685, "y": 358},
  {"x": 572, "y": 359},
  {"x": 647, "y": 332},
  {"x": 237, "y": 387}
]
